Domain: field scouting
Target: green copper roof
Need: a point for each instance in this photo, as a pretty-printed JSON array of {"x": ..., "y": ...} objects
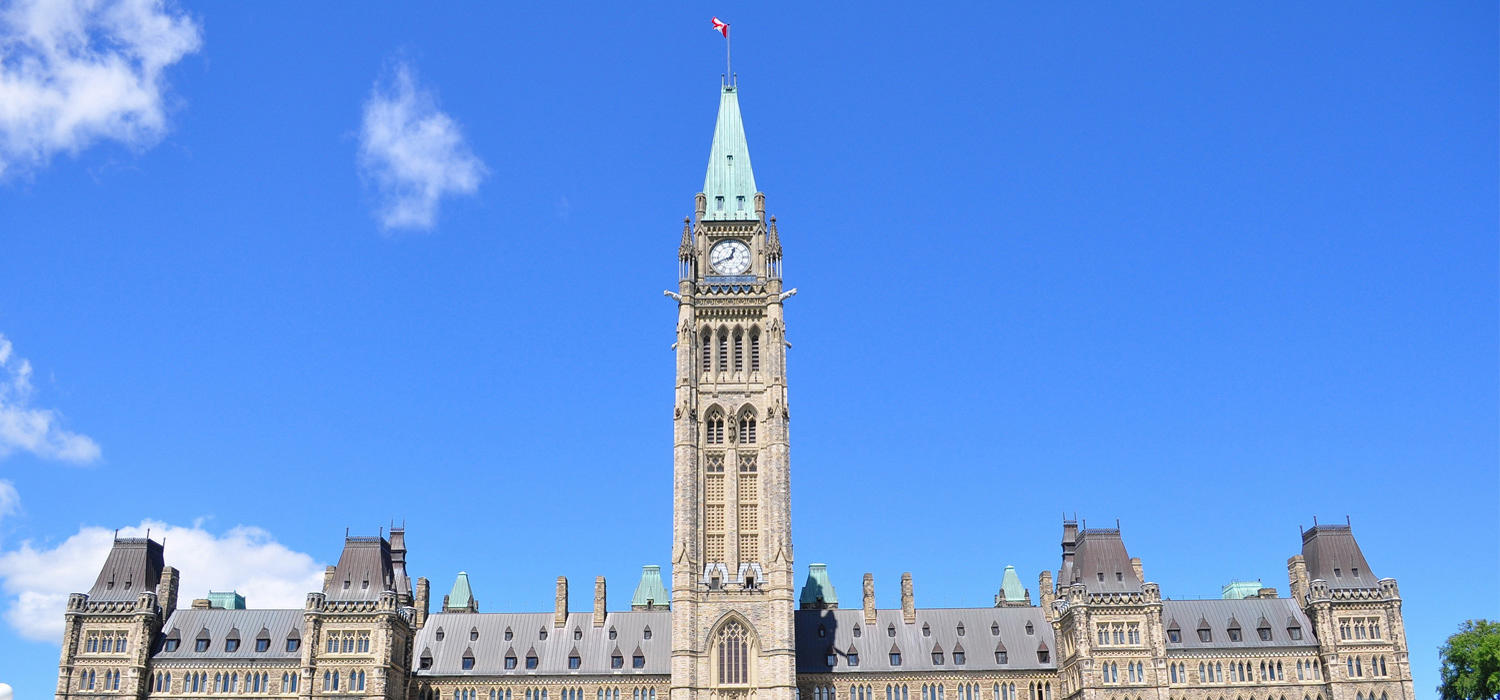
[
  {"x": 1236, "y": 590},
  {"x": 730, "y": 183},
  {"x": 461, "y": 597},
  {"x": 1010, "y": 586},
  {"x": 226, "y": 600},
  {"x": 650, "y": 591},
  {"x": 817, "y": 586}
]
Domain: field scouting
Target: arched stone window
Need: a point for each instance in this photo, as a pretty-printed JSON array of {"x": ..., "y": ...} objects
[
  {"x": 713, "y": 427},
  {"x": 707, "y": 350},
  {"x": 747, "y": 427},
  {"x": 754, "y": 348},
  {"x": 733, "y": 648},
  {"x": 739, "y": 349}
]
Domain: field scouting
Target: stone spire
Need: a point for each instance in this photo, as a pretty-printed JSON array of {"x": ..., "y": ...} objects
[{"x": 729, "y": 184}]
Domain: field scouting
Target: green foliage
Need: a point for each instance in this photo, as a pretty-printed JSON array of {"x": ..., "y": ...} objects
[{"x": 1471, "y": 662}]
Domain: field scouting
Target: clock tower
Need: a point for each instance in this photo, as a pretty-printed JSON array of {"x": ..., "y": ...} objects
[{"x": 732, "y": 585}]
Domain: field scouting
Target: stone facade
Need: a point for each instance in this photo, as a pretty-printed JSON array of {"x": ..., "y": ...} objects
[{"x": 734, "y": 629}]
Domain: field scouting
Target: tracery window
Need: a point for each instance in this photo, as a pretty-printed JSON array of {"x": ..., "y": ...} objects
[
  {"x": 734, "y": 654},
  {"x": 747, "y": 428}
]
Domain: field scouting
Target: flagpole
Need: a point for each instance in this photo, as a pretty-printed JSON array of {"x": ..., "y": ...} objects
[{"x": 727, "y": 63}]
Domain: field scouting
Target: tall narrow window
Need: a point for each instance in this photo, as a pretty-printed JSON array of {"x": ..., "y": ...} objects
[
  {"x": 754, "y": 349},
  {"x": 739, "y": 202},
  {"x": 747, "y": 428},
  {"x": 723, "y": 350},
  {"x": 734, "y": 654},
  {"x": 739, "y": 350},
  {"x": 719, "y": 203},
  {"x": 708, "y": 351}
]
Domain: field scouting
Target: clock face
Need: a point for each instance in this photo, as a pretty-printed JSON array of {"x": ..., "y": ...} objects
[{"x": 729, "y": 257}]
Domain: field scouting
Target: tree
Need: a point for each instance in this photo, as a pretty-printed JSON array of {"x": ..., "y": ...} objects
[{"x": 1471, "y": 662}]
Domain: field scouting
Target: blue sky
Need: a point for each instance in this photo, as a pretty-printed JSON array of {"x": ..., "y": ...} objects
[{"x": 1210, "y": 271}]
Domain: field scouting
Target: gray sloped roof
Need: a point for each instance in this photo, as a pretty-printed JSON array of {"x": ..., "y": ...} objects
[
  {"x": 364, "y": 570},
  {"x": 1333, "y": 555},
  {"x": 1279, "y": 613},
  {"x": 874, "y": 643},
  {"x": 189, "y": 624},
  {"x": 594, "y": 648},
  {"x": 1101, "y": 563},
  {"x": 134, "y": 564}
]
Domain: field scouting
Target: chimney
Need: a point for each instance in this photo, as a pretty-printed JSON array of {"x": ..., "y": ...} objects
[
  {"x": 398, "y": 545},
  {"x": 869, "y": 599},
  {"x": 1135, "y": 565},
  {"x": 201, "y": 604},
  {"x": 560, "y": 619},
  {"x": 328, "y": 579},
  {"x": 1044, "y": 582},
  {"x": 1296, "y": 571},
  {"x": 421, "y": 602},
  {"x": 908, "y": 601},
  {"x": 599, "y": 610},
  {"x": 166, "y": 591}
]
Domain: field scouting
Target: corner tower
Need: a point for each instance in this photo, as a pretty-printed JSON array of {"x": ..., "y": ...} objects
[{"x": 732, "y": 586}]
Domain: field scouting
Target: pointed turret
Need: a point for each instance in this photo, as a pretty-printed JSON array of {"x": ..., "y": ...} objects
[
  {"x": 729, "y": 185},
  {"x": 461, "y": 598},
  {"x": 817, "y": 591},
  {"x": 1012, "y": 593},
  {"x": 650, "y": 594}
]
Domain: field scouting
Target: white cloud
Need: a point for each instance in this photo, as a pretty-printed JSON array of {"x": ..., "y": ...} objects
[
  {"x": 35, "y": 430},
  {"x": 10, "y": 501},
  {"x": 5, "y": 692},
  {"x": 73, "y": 72},
  {"x": 37, "y": 582},
  {"x": 414, "y": 153}
]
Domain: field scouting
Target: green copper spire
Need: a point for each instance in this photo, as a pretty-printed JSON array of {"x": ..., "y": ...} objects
[
  {"x": 460, "y": 599},
  {"x": 649, "y": 593},
  {"x": 730, "y": 183},
  {"x": 817, "y": 591},
  {"x": 1011, "y": 591}
]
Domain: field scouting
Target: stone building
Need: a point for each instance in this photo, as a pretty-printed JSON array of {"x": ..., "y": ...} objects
[{"x": 733, "y": 625}]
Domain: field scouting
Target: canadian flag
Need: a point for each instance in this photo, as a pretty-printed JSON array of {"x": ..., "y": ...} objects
[{"x": 721, "y": 27}]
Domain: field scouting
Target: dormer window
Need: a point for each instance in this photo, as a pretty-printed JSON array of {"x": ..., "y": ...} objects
[
  {"x": 1101, "y": 577},
  {"x": 1001, "y": 657},
  {"x": 262, "y": 644},
  {"x": 346, "y": 584},
  {"x": 926, "y": 631},
  {"x": 200, "y": 644},
  {"x": 890, "y": 631},
  {"x": 616, "y": 660},
  {"x": 612, "y": 633},
  {"x": 575, "y": 662},
  {"x": 1030, "y": 629},
  {"x": 719, "y": 203},
  {"x": 1234, "y": 634},
  {"x": 1338, "y": 573},
  {"x": 293, "y": 644},
  {"x": 531, "y": 661},
  {"x": 542, "y": 634},
  {"x": 468, "y": 660},
  {"x": 510, "y": 661},
  {"x": 473, "y": 634},
  {"x": 438, "y": 635},
  {"x": 646, "y": 633},
  {"x": 1294, "y": 632},
  {"x": 364, "y": 585},
  {"x": 960, "y": 629},
  {"x": 170, "y": 645},
  {"x": 937, "y": 658},
  {"x": 1265, "y": 633},
  {"x": 577, "y": 634},
  {"x": 1353, "y": 571},
  {"x": 1174, "y": 636},
  {"x": 509, "y": 634},
  {"x": 851, "y": 657},
  {"x": 994, "y": 629},
  {"x": 638, "y": 661},
  {"x": 425, "y": 662},
  {"x": 895, "y": 658},
  {"x": 739, "y": 203},
  {"x": 1119, "y": 576},
  {"x": 231, "y": 645},
  {"x": 857, "y": 632},
  {"x": 1205, "y": 635},
  {"x": 958, "y": 657},
  {"x": 831, "y": 659},
  {"x": 1042, "y": 655}
]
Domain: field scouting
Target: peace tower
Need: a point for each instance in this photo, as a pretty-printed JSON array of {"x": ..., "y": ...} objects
[{"x": 732, "y": 586}]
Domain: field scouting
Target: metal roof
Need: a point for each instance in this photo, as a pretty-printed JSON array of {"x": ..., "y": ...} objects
[
  {"x": 217, "y": 625},
  {"x": 818, "y": 590},
  {"x": 1332, "y": 555},
  {"x": 1011, "y": 590},
  {"x": 821, "y": 632},
  {"x": 592, "y": 644},
  {"x": 364, "y": 570},
  {"x": 134, "y": 564},
  {"x": 1101, "y": 563},
  {"x": 729, "y": 174},
  {"x": 460, "y": 598},
  {"x": 650, "y": 593},
  {"x": 1278, "y": 614}
]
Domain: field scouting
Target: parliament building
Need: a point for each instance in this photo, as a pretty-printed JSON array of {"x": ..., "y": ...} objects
[{"x": 732, "y": 621}]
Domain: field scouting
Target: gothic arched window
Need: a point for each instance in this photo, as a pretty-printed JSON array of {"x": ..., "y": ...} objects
[
  {"x": 723, "y": 349},
  {"x": 739, "y": 350},
  {"x": 747, "y": 427},
  {"x": 755, "y": 349},
  {"x": 713, "y": 428},
  {"x": 734, "y": 654}
]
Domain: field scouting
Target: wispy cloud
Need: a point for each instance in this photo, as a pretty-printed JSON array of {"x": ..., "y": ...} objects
[
  {"x": 413, "y": 152},
  {"x": 35, "y": 430},
  {"x": 10, "y": 500},
  {"x": 37, "y": 581},
  {"x": 73, "y": 72}
]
